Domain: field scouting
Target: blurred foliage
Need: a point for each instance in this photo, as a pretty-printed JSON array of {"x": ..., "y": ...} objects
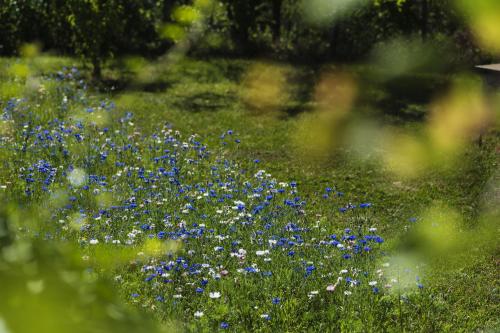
[
  {"x": 294, "y": 29},
  {"x": 51, "y": 285},
  {"x": 483, "y": 17}
]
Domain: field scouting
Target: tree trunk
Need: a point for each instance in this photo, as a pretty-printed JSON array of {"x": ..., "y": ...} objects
[
  {"x": 334, "y": 35},
  {"x": 96, "y": 70},
  {"x": 168, "y": 6},
  {"x": 241, "y": 14},
  {"x": 277, "y": 4},
  {"x": 425, "y": 19}
]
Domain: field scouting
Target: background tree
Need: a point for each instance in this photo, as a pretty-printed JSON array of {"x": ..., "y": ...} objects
[
  {"x": 98, "y": 30},
  {"x": 277, "y": 7},
  {"x": 96, "y": 26},
  {"x": 242, "y": 15}
]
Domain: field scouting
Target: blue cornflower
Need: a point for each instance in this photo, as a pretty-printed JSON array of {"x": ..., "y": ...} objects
[
  {"x": 149, "y": 278},
  {"x": 276, "y": 300},
  {"x": 309, "y": 270},
  {"x": 224, "y": 325},
  {"x": 250, "y": 269}
]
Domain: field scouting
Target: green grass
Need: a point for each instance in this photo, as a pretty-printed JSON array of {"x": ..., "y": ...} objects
[{"x": 203, "y": 97}]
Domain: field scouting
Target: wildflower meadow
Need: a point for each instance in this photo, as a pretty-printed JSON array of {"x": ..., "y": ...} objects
[{"x": 194, "y": 192}]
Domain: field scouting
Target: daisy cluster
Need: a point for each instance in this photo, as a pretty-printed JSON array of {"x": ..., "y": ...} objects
[{"x": 243, "y": 239}]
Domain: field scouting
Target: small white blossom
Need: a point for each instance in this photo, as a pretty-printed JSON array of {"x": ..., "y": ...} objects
[{"x": 214, "y": 294}]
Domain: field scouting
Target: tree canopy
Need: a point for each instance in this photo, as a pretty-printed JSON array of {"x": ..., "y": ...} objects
[{"x": 293, "y": 29}]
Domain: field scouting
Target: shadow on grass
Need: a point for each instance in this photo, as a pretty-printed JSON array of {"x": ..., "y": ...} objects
[
  {"x": 404, "y": 99},
  {"x": 125, "y": 84},
  {"x": 204, "y": 101}
]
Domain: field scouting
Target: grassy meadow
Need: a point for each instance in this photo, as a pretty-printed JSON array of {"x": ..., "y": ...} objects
[{"x": 224, "y": 194}]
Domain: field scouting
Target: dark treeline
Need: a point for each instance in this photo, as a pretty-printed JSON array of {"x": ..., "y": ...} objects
[{"x": 312, "y": 30}]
